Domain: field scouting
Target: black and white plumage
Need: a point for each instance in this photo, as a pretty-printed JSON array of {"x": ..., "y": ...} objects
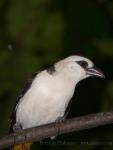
[{"x": 47, "y": 94}]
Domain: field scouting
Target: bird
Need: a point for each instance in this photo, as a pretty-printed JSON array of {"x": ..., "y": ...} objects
[{"x": 46, "y": 96}]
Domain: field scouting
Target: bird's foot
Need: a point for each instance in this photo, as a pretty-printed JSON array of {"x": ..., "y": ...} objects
[
  {"x": 60, "y": 119},
  {"x": 57, "y": 126},
  {"x": 17, "y": 127}
]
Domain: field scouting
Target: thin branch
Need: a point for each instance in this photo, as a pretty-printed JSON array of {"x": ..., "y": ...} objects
[{"x": 45, "y": 131}]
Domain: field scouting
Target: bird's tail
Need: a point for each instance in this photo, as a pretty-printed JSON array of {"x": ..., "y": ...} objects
[{"x": 24, "y": 146}]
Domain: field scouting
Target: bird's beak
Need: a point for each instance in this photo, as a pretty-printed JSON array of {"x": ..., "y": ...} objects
[{"x": 94, "y": 71}]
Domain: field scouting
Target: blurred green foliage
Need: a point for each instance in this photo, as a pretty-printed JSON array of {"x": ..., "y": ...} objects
[{"x": 36, "y": 33}]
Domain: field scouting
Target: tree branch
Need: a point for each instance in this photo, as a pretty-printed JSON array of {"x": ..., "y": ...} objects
[{"x": 45, "y": 131}]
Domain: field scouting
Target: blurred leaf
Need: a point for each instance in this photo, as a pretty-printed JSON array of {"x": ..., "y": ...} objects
[
  {"x": 53, "y": 32},
  {"x": 4, "y": 55},
  {"x": 105, "y": 46},
  {"x": 110, "y": 9},
  {"x": 107, "y": 101}
]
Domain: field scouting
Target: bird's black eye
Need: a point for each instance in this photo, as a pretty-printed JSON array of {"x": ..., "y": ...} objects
[{"x": 83, "y": 63}]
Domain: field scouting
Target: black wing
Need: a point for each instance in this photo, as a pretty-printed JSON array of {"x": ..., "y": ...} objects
[
  {"x": 67, "y": 109},
  {"x": 51, "y": 69},
  {"x": 22, "y": 93}
]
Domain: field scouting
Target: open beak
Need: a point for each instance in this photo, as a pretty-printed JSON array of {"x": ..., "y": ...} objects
[{"x": 94, "y": 71}]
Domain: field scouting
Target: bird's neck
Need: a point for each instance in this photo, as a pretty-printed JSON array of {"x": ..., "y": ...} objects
[{"x": 68, "y": 80}]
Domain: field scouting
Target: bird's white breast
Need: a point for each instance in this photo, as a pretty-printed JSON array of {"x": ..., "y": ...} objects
[{"x": 45, "y": 101}]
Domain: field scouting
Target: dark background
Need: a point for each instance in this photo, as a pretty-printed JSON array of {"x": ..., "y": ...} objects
[{"x": 37, "y": 33}]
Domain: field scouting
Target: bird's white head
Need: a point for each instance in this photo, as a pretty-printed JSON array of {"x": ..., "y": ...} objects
[{"x": 78, "y": 68}]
